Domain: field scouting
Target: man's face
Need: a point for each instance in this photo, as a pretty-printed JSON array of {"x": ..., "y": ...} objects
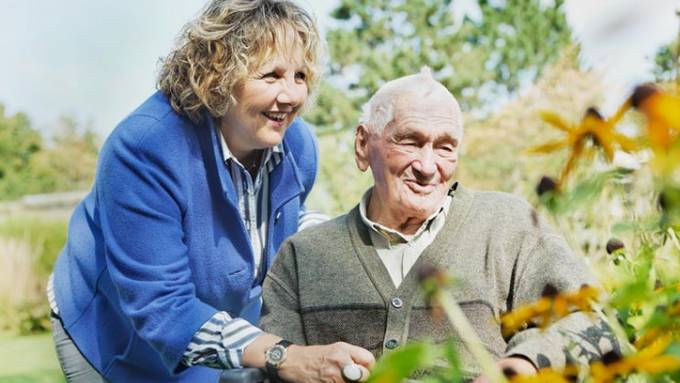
[{"x": 414, "y": 157}]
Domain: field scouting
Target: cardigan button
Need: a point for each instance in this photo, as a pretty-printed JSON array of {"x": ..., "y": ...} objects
[
  {"x": 397, "y": 302},
  {"x": 391, "y": 344}
]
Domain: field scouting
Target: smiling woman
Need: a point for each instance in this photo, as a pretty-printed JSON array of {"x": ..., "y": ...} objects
[{"x": 161, "y": 276}]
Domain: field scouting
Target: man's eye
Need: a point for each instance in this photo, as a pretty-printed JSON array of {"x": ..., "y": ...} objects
[{"x": 408, "y": 143}]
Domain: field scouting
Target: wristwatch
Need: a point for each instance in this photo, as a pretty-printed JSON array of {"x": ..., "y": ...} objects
[{"x": 273, "y": 357}]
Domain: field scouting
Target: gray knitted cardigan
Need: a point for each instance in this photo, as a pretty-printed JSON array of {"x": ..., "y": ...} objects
[{"x": 328, "y": 284}]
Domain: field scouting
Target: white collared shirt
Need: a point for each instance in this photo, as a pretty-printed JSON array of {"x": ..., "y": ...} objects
[{"x": 398, "y": 251}]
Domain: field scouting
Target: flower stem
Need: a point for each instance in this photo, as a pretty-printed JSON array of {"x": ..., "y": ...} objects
[{"x": 470, "y": 338}]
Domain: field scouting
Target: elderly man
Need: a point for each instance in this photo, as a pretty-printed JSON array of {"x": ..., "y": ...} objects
[{"x": 353, "y": 279}]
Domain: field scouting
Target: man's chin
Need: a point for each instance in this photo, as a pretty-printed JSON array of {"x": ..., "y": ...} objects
[
  {"x": 423, "y": 205},
  {"x": 420, "y": 210}
]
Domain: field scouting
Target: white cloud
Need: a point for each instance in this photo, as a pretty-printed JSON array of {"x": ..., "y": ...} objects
[{"x": 620, "y": 38}]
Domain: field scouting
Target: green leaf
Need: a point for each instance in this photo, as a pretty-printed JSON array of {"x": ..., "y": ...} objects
[
  {"x": 398, "y": 365},
  {"x": 673, "y": 349}
]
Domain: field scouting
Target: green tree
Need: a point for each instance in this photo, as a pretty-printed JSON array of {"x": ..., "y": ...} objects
[
  {"x": 479, "y": 54},
  {"x": 69, "y": 162},
  {"x": 18, "y": 144},
  {"x": 30, "y": 164},
  {"x": 667, "y": 62}
]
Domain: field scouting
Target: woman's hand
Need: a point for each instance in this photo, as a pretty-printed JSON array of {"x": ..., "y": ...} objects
[{"x": 322, "y": 363}]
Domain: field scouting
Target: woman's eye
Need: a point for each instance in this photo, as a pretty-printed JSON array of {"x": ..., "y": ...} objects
[
  {"x": 300, "y": 75},
  {"x": 270, "y": 75}
]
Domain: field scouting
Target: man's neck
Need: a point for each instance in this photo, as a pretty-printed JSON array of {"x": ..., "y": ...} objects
[{"x": 394, "y": 219}]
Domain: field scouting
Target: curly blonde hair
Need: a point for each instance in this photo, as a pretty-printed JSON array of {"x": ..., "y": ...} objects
[{"x": 222, "y": 46}]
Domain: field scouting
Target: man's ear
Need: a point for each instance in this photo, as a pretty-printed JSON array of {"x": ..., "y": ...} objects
[{"x": 361, "y": 147}]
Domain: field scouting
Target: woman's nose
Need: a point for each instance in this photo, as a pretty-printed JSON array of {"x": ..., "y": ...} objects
[{"x": 292, "y": 93}]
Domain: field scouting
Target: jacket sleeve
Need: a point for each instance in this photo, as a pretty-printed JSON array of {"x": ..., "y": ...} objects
[
  {"x": 141, "y": 204},
  {"x": 281, "y": 308},
  {"x": 304, "y": 147},
  {"x": 577, "y": 338}
]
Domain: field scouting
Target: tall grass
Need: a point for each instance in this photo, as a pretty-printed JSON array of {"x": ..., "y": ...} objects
[{"x": 28, "y": 248}]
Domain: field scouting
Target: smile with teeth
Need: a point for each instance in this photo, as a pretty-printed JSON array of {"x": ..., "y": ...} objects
[{"x": 276, "y": 116}]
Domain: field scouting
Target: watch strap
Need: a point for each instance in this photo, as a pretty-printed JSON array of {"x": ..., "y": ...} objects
[{"x": 272, "y": 371}]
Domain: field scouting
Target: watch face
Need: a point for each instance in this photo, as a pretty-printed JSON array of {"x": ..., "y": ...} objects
[{"x": 275, "y": 354}]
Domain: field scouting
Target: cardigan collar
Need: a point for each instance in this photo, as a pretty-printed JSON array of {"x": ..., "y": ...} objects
[
  {"x": 459, "y": 209},
  {"x": 391, "y": 236}
]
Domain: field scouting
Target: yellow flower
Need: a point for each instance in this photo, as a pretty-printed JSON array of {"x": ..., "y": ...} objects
[
  {"x": 591, "y": 127},
  {"x": 648, "y": 360},
  {"x": 549, "y": 375},
  {"x": 547, "y": 309},
  {"x": 671, "y": 328},
  {"x": 662, "y": 111}
]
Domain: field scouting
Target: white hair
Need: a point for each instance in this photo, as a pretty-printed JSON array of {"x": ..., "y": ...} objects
[{"x": 380, "y": 108}]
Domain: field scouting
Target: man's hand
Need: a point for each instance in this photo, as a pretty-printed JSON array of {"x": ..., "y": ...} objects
[
  {"x": 519, "y": 366},
  {"x": 322, "y": 363}
]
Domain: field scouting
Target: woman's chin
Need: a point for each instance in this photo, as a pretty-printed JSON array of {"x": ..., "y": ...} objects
[{"x": 270, "y": 139}]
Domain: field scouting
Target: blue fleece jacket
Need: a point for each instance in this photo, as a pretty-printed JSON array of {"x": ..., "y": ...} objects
[{"x": 157, "y": 247}]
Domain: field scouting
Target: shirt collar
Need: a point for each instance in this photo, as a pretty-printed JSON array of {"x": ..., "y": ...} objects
[{"x": 392, "y": 236}]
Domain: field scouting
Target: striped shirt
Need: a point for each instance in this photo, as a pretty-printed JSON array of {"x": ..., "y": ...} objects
[{"x": 221, "y": 341}]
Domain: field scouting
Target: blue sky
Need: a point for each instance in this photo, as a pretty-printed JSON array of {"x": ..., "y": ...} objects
[{"x": 96, "y": 60}]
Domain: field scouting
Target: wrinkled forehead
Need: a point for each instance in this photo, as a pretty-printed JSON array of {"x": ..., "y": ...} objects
[{"x": 432, "y": 112}]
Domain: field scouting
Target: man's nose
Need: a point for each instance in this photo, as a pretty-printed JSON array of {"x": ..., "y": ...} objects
[{"x": 425, "y": 163}]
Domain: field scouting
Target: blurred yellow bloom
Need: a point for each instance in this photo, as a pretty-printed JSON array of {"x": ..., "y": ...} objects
[
  {"x": 548, "y": 309},
  {"x": 671, "y": 328},
  {"x": 662, "y": 111},
  {"x": 548, "y": 375},
  {"x": 648, "y": 360},
  {"x": 591, "y": 127}
]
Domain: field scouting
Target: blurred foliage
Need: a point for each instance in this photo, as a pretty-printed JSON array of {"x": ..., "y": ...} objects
[
  {"x": 480, "y": 52},
  {"x": 31, "y": 164},
  {"x": 666, "y": 62},
  {"x": 18, "y": 144}
]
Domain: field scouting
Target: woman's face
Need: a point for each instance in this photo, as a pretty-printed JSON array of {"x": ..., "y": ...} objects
[{"x": 266, "y": 104}]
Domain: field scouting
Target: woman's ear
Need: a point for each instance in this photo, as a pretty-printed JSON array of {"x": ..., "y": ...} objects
[{"x": 361, "y": 147}]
